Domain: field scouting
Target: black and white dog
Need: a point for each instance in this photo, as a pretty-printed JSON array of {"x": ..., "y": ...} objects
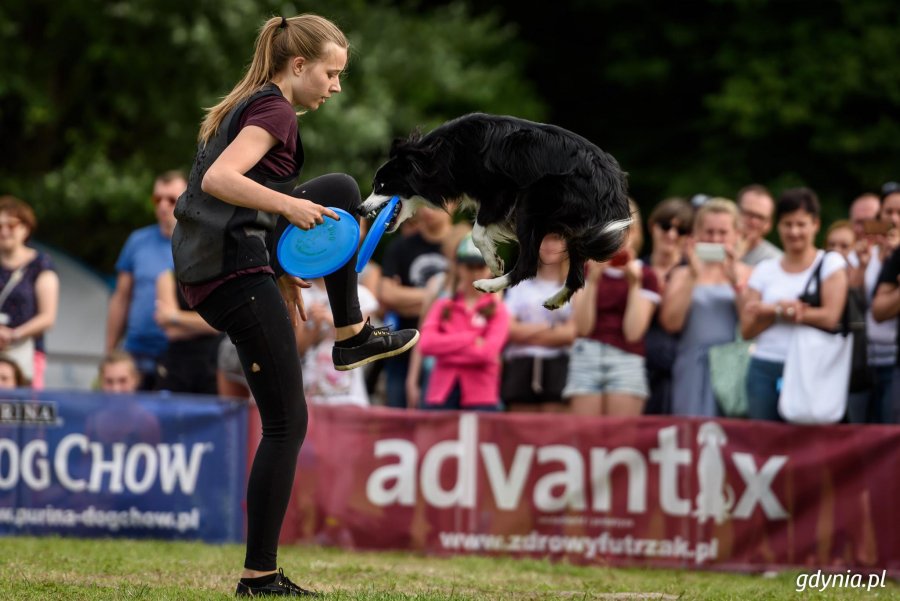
[{"x": 525, "y": 179}]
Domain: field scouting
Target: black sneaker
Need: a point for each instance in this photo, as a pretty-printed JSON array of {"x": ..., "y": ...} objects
[
  {"x": 281, "y": 586},
  {"x": 382, "y": 343}
]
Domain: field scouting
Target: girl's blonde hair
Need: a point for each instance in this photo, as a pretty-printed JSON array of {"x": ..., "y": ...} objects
[
  {"x": 716, "y": 205},
  {"x": 279, "y": 40}
]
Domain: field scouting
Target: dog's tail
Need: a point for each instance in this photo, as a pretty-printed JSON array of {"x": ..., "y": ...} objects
[{"x": 600, "y": 244}]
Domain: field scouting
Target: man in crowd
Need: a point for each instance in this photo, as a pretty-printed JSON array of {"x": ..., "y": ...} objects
[
  {"x": 756, "y": 209},
  {"x": 146, "y": 254}
]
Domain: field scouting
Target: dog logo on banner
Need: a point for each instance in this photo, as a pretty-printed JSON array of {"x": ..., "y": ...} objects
[{"x": 715, "y": 498}]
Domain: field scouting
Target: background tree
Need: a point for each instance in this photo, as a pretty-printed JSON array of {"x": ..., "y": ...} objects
[
  {"x": 696, "y": 96},
  {"x": 706, "y": 96},
  {"x": 98, "y": 97}
]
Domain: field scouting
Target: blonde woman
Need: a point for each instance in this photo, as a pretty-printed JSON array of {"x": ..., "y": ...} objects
[
  {"x": 700, "y": 303},
  {"x": 242, "y": 186}
]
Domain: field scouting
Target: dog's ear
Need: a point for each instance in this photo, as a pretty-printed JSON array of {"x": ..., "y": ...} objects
[
  {"x": 396, "y": 145},
  {"x": 400, "y": 144}
]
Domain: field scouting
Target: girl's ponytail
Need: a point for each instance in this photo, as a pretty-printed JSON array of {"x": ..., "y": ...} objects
[{"x": 279, "y": 40}]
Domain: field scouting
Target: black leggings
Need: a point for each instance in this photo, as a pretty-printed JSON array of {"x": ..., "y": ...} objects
[{"x": 251, "y": 310}]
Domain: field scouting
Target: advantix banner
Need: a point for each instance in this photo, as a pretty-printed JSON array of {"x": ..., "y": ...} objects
[
  {"x": 665, "y": 492},
  {"x": 143, "y": 465}
]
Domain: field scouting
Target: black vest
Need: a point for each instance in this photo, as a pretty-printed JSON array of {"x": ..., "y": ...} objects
[{"x": 214, "y": 238}]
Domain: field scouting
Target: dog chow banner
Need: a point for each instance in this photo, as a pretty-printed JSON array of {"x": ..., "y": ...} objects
[
  {"x": 665, "y": 492},
  {"x": 141, "y": 466}
]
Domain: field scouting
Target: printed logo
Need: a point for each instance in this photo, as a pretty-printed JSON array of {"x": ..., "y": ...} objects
[
  {"x": 29, "y": 412},
  {"x": 583, "y": 481}
]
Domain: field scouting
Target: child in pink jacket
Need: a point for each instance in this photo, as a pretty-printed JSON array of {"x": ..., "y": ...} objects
[{"x": 465, "y": 333}]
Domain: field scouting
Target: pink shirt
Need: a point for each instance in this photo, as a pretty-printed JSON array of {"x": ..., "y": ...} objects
[{"x": 467, "y": 346}]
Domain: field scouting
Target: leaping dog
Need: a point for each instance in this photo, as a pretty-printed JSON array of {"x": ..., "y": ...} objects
[{"x": 524, "y": 179}]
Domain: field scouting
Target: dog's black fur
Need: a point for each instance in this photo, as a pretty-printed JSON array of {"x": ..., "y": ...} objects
[{"x": 527, "y": 180}]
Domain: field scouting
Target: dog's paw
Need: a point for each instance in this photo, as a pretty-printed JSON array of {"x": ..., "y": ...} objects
[
  {"x": 494, "y": 263},
  {"x": 559, "y": 299},
  {"x": 493, "y": 284},
  {"x": 498, "y": 268}
]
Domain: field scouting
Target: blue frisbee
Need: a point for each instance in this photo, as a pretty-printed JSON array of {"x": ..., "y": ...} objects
[
  {"x": 375, "y": 233},
  {"x": 320, "y": 251}
]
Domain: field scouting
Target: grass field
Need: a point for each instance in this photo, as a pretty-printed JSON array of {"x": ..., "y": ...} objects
[{"x": 73, "y": 569}]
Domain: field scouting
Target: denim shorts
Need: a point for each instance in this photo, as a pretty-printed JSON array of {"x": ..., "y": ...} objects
[{"x": 599, "y": 368}]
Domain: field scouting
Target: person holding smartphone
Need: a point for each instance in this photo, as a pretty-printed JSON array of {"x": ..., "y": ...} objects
[
  {"x": 874, "y": 220},
  {"x": 612, "y": 312},
  {"x": 700, "y": 303}
]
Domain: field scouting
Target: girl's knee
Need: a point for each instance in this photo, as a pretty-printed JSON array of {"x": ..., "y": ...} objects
[{"x": 343, "y": 191}]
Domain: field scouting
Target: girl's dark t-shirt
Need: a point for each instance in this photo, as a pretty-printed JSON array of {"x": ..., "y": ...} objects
[{"x": 275, "y": 115}]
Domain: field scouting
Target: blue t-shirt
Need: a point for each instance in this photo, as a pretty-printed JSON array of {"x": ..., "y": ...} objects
[{"x": 146, "y": 254}]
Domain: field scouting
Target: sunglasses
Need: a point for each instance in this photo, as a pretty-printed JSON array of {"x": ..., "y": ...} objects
[
  {"x": 683, "y": 230},
  {"x": 169, "y": 199}
]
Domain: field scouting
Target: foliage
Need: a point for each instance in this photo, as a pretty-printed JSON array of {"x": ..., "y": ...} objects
[
  {"x": 97, "y": 97},
  {"x": 114, "y": 568},
  {"x": 709, "y": 95}
]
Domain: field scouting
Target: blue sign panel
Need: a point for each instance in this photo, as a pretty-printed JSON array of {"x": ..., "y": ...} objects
[{"x": 148, "y": 465}]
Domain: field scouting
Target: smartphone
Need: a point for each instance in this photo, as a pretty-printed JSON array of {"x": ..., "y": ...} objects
[
  {"x": 876, "y": 226},
  {"x": 709, "y": 252}
]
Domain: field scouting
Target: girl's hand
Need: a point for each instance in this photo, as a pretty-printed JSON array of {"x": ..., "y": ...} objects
[
  {"x": 694, "y": 263},
  {"x": 730, "y": 266},
  {"x": 863, "y": 252},
  {"x": 792, "y": 310},
  {"x": 634, "y": 272},
  {"x": 6, "y": 337},
  {"x": 290, "y": 291},
  {"x": 306, "y": 214}
]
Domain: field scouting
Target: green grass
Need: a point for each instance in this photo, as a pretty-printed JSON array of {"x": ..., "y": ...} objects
[{"x": 75, "y": 569}]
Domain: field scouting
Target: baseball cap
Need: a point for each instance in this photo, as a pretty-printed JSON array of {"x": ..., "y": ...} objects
[{"x": 468, "y": 253}]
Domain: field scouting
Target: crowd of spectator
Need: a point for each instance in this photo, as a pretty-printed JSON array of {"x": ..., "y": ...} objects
[{"x": 644, "y": 335}]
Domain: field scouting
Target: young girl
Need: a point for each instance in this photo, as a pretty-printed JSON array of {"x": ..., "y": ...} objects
[
  {"x": 240, "y": 197},
  {"x": 465, "y": 333},
  {"x": 612, "y": 313},
  {"x": 536, "y": 361}
]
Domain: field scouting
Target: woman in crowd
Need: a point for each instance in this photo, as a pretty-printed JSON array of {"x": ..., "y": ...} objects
[
  {"x": 612, "y": 313},
  {"x": 700, "y": 303},
  {"x": 840, "y": 238},
  {"x": 465, "y": 333},
  {"x": 29, "y": 288},
  {"x": 536, "y": 360},
  {"x": 670, "y": 224},
  {"x": 882, "y": 335},
  {"x": 10, "y": 374},
  {"x": 771, "y": 308}
]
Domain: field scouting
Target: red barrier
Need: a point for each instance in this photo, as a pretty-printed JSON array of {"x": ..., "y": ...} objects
[{"x": 656, "y": 491}]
